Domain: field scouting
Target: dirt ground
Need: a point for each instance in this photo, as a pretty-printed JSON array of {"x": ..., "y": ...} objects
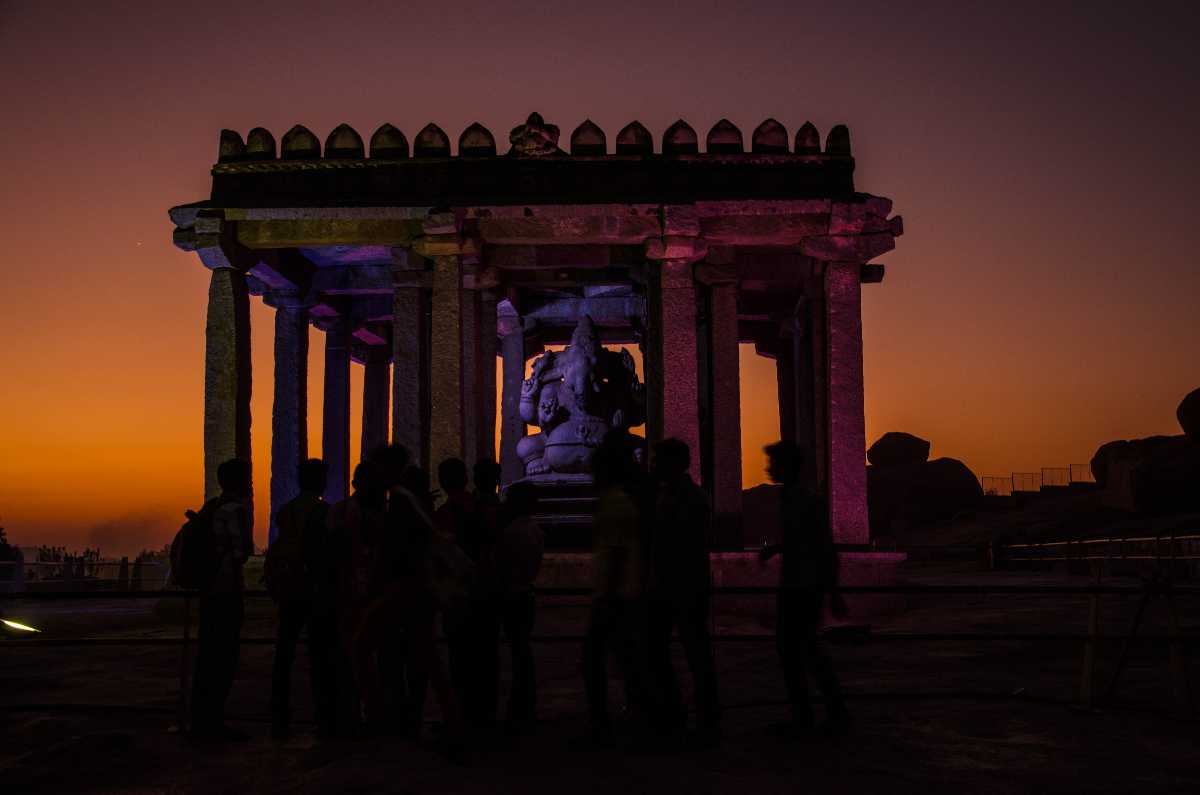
[{"x": 929, "y": 716}]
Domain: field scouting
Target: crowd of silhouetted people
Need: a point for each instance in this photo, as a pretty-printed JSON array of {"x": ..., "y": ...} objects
[{"x": 374, "y": 579}]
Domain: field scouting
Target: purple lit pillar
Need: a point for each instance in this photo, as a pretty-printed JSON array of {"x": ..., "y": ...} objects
[
  {"x": 375, "y": 401},
  {"x": 671, "y": 370},
  {"x": 487, "y": 374},
  {"x": 785, "y": 384},
  {"x": 289, "y": 412},
  {"x": 226, "y": 374},
  {"x": 846, "y": 473},
  {"x": 446, "y": 362},
  {"x": 335, "y": 429}
]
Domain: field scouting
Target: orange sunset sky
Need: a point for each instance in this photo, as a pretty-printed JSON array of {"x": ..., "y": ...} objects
[{"x": 1043, "y": 299}]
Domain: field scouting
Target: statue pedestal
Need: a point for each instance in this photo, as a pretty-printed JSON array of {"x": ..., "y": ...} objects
[{"x": 565, "y": 505}]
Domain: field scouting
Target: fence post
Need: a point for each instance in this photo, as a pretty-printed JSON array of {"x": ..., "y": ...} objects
[
  {"x": 1088, "y": 674},
  {"x": 184, "y": 660},
  {"x": 1179, "y": 668}
]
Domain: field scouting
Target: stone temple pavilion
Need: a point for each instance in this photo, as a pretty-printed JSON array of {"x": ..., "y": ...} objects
[{"x": 437, "y": 259}]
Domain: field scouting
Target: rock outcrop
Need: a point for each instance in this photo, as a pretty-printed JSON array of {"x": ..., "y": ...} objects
[
  {"x": 1158, "y": 474},
  {"x": 1188, "y": 415},
  {"x": 897, "y": 449},
  {"x": 919, "y": 492}
]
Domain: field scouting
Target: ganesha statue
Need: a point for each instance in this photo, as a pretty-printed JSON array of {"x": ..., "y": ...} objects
[{"x": 576, "y": 396}]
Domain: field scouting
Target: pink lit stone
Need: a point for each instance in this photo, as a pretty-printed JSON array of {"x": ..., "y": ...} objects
[{"x": 847, "y": 475}]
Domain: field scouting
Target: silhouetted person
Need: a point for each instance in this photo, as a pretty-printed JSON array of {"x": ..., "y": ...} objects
[
  {"x": 808, "y": 572},
  {"x": 356, "y": 526},
  {"x": 403, "y": 550},
  {"x": 221, "y": 607},
  {"x": 617, "y": 618},
  {"x": 679, "y": 592},
  {"x": 485, "y": 476},
  {"x": 518, "y": 558},
  {"x": 302, "y": 579},
  {"x": 472, "y": 638}
]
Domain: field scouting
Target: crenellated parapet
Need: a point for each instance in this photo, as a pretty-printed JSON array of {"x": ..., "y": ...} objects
[{"x": 532, "y": 139}]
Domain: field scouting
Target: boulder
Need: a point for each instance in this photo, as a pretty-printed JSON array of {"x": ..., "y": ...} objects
[
  {"x": 1167, "y": 479},
  {"x": 898, "y": 449},
  {"x": 1114, "y": 460},
  {"x": 1188, "y": 415},
  {"x": 920, "y": 492}
]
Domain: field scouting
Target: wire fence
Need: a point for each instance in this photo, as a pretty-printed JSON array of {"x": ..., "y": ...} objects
[{"x": 1075, "y": 475}]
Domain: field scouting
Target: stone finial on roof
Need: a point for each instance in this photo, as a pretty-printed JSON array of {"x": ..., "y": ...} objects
[
  {"x": 260, "y": 144},
  {"x": 680, "y": 139},
  {"x": 431, "y": 141},
  {"x": 389, "y": 143},
  {"x": 808, "y": 140},
  {"x": 634, "y": 139},
  {"x": 476, "y": 141},
  {"x": 299, "y": 143},
  {"x": 770, "y": 137},
  {"x": 344, "y": 143},
  {"x": 588, "y": 140},
  {"x": 231, "y": 147},
  {"x": 837, "y": 143},
  {"x": 724, "y": 139},
  {"x": 534, "y": 138}
]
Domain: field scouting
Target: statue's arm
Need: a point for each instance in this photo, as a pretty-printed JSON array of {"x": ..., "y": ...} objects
[{"x": 529, "y": 400}]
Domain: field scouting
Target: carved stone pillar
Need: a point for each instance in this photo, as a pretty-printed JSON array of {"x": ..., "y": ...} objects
[
  {"x": 847, "y": 473},
  {"x": 446, "y": 363},
  {"x": 725, "y": 404},
  {"x": 487, "y": 374},
  {"x": 512, "y": 428},
  {"x": 289, "y": 412},
  {"x": 227, "y": 374},
  {"x": 410, "y": 355},
  {"x": 335, "y": 428},
  {"x": 375, "y": 401},
  {"x": 671, "y": 366},
  {"x": 785, "y": 383}
]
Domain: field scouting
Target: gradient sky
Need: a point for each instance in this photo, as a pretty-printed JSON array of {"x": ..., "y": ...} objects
[{"x": 1043, "y": 299}]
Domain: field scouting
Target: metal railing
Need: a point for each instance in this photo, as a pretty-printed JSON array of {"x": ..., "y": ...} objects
[{"x": 1176, "y": 640}]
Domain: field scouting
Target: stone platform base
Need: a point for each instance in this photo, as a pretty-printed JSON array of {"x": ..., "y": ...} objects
[{"x": 731, "y": 569}]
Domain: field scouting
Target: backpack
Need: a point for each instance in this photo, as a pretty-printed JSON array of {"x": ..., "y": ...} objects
[
  {"x": 285, "y": 568},
  {"x": 194, "y": 550}
]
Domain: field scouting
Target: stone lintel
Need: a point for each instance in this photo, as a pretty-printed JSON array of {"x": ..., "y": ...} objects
[
  {"x": 294, "y": 233},
  {"x": 681, "y": 220},
  {"x": 872, "y": 274},
  {"x": 848, "y": 248}
]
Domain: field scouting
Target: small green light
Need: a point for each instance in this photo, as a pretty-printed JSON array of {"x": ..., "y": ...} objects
[{"x": 17, "y": 625}]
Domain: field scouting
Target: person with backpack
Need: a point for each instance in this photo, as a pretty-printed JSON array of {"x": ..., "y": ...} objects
[
  {"x": 301, "y": 580},
  {"x": 226, "y": 522}
]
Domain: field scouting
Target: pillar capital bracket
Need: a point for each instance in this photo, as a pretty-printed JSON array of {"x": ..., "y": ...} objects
[
  {"x": 448, "y": 245},
  {"x": 676, "y": 247}
]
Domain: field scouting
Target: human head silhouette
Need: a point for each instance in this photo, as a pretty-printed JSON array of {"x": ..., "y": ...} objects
[
  {"x": 785, "y": 461},
  {"x": 314, "y": 473},
  {"x": 671, "y": 458},
  {"x": 486, "y": 476},
  {"x": 234, "y": 477},
  {"x": 452, "y": 476}
]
